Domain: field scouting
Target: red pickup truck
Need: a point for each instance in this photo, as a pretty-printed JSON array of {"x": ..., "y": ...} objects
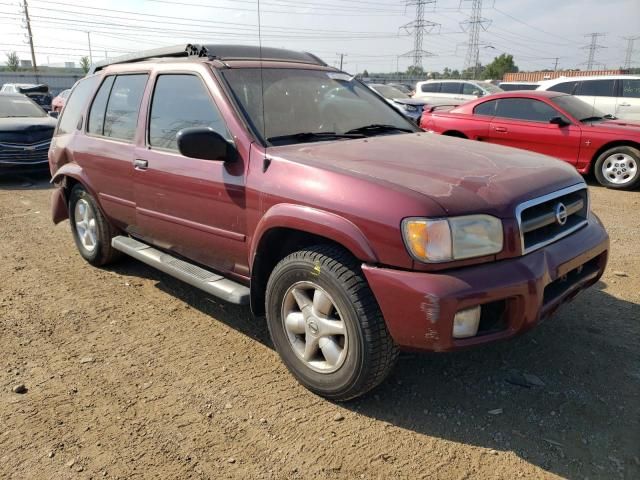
[{"x": 266, "y": 177}]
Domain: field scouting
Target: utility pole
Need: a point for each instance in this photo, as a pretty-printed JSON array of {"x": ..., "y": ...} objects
[
  {"x": 593, "y": 46},
  {"x": 418, "y": 28},
  {"x": 90, "y": 53},
  {"x": 629, "y": 55},
  {"x": 342, "y": 55},
  {"x": 555, "y": 65},
  {"x": 28, "y": 22},
  {"x": 474, "y": 24}
]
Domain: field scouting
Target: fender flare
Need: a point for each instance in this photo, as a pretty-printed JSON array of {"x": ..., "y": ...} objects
[
  {"x": 59, "y": 202},
  {"x": 317, "y": 222}
]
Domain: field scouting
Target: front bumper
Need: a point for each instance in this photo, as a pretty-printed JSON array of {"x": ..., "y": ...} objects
[{"x": 419, "y": 307}]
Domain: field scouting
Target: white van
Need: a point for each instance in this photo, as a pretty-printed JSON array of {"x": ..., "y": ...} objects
[
  {"x": 617, "y": 95},
  {"x": 455, "y": 92}
]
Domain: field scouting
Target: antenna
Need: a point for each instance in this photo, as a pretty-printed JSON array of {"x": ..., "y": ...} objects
[{"x": 266, "y": 162}]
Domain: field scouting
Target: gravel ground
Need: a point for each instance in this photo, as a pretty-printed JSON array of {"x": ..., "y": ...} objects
[{"x": 132, "y": 374}]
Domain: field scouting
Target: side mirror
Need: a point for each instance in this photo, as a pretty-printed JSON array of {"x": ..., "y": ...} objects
[
  {"x": 559, "y": 121},
  {"x": 477, "y": 93},
  {"x": 53, "y": 114},
  {"x": 206, "y": 144}
]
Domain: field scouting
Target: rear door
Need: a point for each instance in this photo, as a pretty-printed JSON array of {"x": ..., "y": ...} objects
[
  {"x": 628, "y": 100},
  {"x": 600, "y": 94},
  {"x": 191, "y": 206},
  {"x": 524, "y": 123}
]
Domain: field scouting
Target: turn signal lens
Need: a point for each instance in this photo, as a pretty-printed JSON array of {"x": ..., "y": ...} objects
[{"x": 428, "y": 240}]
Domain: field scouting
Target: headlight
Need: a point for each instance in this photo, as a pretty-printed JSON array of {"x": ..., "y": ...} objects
[{"x": 455, "y": 238}]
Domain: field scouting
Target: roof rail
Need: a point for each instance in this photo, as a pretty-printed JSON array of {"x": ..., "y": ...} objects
[{"x": 220, "y": 52}]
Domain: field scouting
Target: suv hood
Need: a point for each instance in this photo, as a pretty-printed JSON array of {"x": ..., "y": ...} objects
[{"x": 462, "y": 176}]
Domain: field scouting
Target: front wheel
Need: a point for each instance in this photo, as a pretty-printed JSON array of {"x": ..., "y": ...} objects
[
  {"x": 326, "y": 324},
  {"x": 619, "y": 168}
]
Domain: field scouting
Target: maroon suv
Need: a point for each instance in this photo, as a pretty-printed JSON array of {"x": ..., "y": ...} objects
[{"x": 267, "y": 177}]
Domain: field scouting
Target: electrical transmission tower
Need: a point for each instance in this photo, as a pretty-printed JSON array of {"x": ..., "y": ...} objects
[
  {"x": 628, "y": 58},
  {"x": 593, "y": 47},
  {"x": 418, "y": 28},
  {"x": 474, "y": 24}
]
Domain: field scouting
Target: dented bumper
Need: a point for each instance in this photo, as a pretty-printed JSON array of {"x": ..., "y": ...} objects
[{"x": 515, "y": 294}]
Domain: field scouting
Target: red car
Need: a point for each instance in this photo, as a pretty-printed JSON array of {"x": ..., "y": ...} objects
[
  {"x": 551, "y": 123},
  {"x": 59, "y": 100}
]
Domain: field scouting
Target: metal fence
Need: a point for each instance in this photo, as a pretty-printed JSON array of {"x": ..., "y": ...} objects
[{"x": 56, "y": 81}]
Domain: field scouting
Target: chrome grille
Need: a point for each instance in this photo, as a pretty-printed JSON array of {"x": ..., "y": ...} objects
[
  {"x": 551, "y": 217},
  {"x": 20, "y": 154}
]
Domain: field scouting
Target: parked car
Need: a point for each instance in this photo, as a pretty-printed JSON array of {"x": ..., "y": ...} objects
[
  {"x": 25, "y": 134},
  {"x": 510, "y": 86},
  {"x": 453, "y": 92},
  {"x": 551, "y": 123},
  {"x": 406, "y": 89},
  {"x": 410, "y": 107},
  {"x": 58, "y": 101},
  {"x": 617, "y": 95},
  {"x": 265, "y": 176},
  {"x": 38, "y": 93}
]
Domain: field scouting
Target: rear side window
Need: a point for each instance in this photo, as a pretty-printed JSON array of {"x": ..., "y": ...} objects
[
  {"x": 450, "y": 87},
  {"x": 181, "y": 101},
  {"x": 121, "y": 116},
  {"x": 631, "y": 88},
  {"x": 564, "y": 87},
  {"x": 596, "y": 88},
  {"x": 72, "y": 113},
  {"x": 525, "y": 109},
  {"x": 486, "y": 108},
  {"x": 99, "y": 106},
  {"x": 433, "y": 87}
]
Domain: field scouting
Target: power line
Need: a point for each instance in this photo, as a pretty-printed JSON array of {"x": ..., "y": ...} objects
[
  {"x": 593, "y": 47},
  {"x": 474, "y": 24},
  {"x": 419, "y": 27}
]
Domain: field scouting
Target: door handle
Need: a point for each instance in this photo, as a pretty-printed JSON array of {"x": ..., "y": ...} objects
[
  {"x": 500, "y": 129},
  {"x": 140, "y": 164},
  {"x": 625, "y": 105}
]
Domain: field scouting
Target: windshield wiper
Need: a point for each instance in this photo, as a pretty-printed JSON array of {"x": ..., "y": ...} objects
[
  {"x": 376, "y": 128},
  {"x": 313, "y": 136}
]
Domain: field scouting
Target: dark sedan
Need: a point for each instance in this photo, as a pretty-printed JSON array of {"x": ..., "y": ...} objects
[{"x": 25, "y": 134}]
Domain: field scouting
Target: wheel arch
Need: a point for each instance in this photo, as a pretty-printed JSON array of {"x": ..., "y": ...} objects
[
  {"x": 609, "y": 145},
  {"x": 65, "y": 179}
]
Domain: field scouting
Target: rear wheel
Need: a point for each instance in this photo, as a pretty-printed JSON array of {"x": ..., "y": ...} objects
[
  {"x": 92, "y": 232},
  {"x": 326, "y": 325},
  {"x": 619, "y": 168}
]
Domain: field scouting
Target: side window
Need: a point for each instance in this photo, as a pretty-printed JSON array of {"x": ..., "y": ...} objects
[
  {"x": 72, "y": 112},
  {"x": 181, "y": 101},
  {"x": 450, "y": 87},
  {"x": 631, "y": 88},
  {"x": 596, "y": 88},
  {"x": 121, "y": 116},
  {"x": 486, "y": 108},
  {"x": 99, "y": 106},
  {"x": 525, "y": 109},
  {"x": 433, "y": 87},
  {"x": 470, "y": 88},
  {"x": 564, "y": 87}
]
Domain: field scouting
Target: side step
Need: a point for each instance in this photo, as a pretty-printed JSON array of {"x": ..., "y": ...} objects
[{"x": 192, "y": 274}]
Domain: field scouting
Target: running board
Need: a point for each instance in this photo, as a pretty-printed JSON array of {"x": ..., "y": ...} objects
[{"x": 187, "y": 272}]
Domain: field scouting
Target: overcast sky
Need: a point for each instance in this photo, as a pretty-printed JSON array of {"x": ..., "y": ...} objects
[{"x": 368, "y": 32}]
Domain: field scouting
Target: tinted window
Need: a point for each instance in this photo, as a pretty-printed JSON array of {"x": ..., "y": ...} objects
[
  {"x": 121, "y": 118},
  {"x": 631, "y": 88},
  {"x": 564, "y": 87},
  {"x": 450, "y": 87},
  {"x": 596, "y": 88},
  {"x": 486, "y": 108},
  {"x": 96, "y": 114},
  {"x": 181, "y": 101},
  {"x": 525, "y": 109},
  {"x": 433, "y": 87},
  {"x": 576, "y": 107},
  {"x": 72, "y": 113}
]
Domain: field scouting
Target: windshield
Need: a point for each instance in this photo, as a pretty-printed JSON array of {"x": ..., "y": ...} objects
[
  {"x": 490, "y": 87},
  {"x": 577, "y": 108},
  {"x": 389, "y": 92},
  {"x": 310, "y": 101},
  {"x": 17, "y": 106}
]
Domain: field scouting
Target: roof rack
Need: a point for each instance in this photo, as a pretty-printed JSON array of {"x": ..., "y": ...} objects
[{"x": 214, "y": 52}]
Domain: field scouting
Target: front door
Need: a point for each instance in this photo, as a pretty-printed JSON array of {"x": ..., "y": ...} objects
[
  {"x": 524, "y": 123},
  {"x": 187, "y": 205}
]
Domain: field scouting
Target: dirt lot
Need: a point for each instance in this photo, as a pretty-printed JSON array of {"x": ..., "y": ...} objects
[{"x": 132, "y": 374}]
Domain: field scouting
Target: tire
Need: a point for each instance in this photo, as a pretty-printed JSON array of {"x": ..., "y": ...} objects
[
  {"x": 618, "y": 168},
  {"x": 345, "y": 365},
  {"x": 100, "y": 252}
]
